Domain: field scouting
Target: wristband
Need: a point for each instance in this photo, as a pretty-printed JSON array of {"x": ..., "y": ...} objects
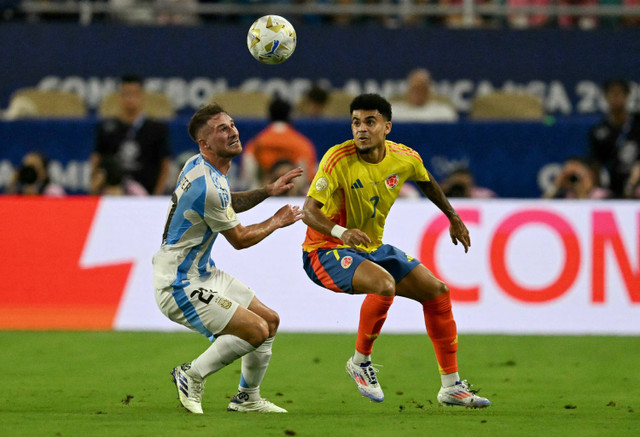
[{"x": 337, "y": 231}]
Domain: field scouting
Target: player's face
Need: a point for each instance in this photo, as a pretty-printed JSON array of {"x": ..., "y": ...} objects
[
  {"x": 222, "y": 137},
  {"x": 369, "y": 129}
]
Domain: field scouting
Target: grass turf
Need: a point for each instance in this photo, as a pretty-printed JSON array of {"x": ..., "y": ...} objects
[{"x": 118, "y": 384}]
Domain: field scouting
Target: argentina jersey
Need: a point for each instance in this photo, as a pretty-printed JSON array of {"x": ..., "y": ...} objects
[{"x": 200, "y": 209}]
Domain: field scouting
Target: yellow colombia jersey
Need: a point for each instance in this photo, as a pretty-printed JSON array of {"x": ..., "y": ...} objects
[{"x": 357, "y": 194}]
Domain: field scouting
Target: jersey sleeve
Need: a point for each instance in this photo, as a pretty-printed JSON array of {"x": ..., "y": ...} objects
[
  {"x": 420, "y": 171},
  {"x": 218, "y": 213},
  {"x": 324, "y": 183}
]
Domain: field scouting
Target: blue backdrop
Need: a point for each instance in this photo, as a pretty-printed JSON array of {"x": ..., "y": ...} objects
[
  {"x": 551, "y": 61},
  {"x": 505, "y": 157}
]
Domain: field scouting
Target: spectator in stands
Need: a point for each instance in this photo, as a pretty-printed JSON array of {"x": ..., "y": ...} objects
[
  {"x": 632, "y": 187},
  {"x": 457, "y": 20},
  {"x": 32, "y": 178},
  {"x": 314, "y": 102},
  {"x": 420, "y": 103},
  {"x": 615, "y": 141},
  {"x": 521, "y": 20},
  {"x": 140, "y": 143},
  {"x": 461, "y": 183},
  {"x": 108, "y": 179},
  {"x": 583, "y": 22},
  {"x": 279, "y": 169},
  {"x": 578, "y": 179},
  {"x": 278, "y": 141}
]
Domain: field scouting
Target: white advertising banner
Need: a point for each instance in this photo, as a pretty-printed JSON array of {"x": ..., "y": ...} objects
[{"x": 538, "y": 267}]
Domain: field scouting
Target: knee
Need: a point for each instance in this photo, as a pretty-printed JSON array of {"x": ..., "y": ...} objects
[
  {"x": 386, "y": 286},
  {"x": 438, "y": 289},
  {"x": 259, "y": 332},
  {"x": 442, "y": 288},
  {"x": 273, "y": 321}
]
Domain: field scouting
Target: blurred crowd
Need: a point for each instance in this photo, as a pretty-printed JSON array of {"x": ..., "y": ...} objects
[
  {"x": 132, "y": 152},
  {"x": 388, "y": 13}
]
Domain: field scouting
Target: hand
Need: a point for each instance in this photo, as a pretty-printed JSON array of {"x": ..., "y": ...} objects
[
  {"x": 355, "y": 238},
  {"x": 284, "y": 183},
  {"x": 459, "y": 232},
  {"x": 287, "y": 215}
]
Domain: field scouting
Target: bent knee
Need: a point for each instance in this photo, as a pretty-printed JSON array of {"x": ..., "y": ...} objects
[
  {"x": 441, "y": 288},
  {"x": 273, "y": 321},
  {"x": 386, "y": 286},
  {"x": 258, "y": 332}
]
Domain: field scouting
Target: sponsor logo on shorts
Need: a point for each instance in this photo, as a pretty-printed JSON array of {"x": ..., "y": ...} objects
[
  {"x": 391, "y": 181},
  {"x": 346, "y": 262}
]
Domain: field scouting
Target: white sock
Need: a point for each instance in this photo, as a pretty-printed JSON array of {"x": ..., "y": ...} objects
[
  {"x": 450, "y": 379},
  {"x": 359, "y": 358},
  {"x": 254, "y": 367},
  {"x": 224, "y": 350}
]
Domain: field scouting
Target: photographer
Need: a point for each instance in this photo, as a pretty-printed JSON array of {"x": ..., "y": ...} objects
[
  {"x": 32, "y": 178},
  {"x": 461, "y": 183},
  {"x": 578, "y": 179}
]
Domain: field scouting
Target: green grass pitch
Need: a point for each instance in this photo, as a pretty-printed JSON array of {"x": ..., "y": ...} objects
[{"x": 118, "y": 384}]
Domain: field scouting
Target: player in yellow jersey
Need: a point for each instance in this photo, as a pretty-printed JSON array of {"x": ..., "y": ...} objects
[{"x": 350, "y": 197}]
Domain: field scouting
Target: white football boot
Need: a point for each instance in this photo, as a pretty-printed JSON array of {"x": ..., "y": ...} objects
[
  {"x": 189, "y": 389},
  {"x": 240, "y": 402},
  {"x": 365, "y": 377},
  {"x": 460, "y": 394}
]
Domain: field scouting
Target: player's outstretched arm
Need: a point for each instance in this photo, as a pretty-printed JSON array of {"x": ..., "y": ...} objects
[
  {"x": 245, "y": 200},
  {"x": 315, "y": 219},
  {"x": 457, "y": 229},
  {"x": 242, "y": 237}
]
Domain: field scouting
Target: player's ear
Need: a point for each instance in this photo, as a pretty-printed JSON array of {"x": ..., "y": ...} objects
[{"x": 387, "y": 127}]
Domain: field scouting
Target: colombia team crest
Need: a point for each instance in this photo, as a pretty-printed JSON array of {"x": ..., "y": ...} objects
[
  {"x": 391, "y": 181},
  {"x": 346, "y": 262}
]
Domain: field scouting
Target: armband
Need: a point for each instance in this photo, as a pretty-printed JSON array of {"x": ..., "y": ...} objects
[{"x": 337, "y": 231}]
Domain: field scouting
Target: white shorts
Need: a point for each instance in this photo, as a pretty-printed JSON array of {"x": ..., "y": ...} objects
[{"x": 206, "y": 306}]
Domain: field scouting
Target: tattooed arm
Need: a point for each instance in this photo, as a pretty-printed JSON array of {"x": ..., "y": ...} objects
[{"x": 248, "y": 199}]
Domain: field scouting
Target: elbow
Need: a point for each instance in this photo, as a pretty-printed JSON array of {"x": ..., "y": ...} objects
[{"x": 239, "y": 245}]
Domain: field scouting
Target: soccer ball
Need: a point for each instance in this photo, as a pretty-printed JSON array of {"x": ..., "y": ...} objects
[{"x": 271, "y": 39}]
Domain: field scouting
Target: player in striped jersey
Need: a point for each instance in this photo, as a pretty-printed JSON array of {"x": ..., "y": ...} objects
[
  {"x": 190, "y": 290},
  {"x": 350, "y": 197}
]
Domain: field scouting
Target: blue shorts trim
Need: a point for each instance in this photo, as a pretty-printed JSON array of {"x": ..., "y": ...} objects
[{"x": 334, "y": 268}]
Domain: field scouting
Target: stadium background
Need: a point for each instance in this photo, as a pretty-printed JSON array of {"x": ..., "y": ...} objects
[{"x": 576, "y": 264}]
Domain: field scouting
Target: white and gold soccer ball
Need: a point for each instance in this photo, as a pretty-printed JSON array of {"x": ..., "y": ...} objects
[{"x": 271, "y": 39}]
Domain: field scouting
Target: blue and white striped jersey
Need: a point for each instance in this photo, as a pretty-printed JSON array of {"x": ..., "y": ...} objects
[{"x": 200, "y": 209}]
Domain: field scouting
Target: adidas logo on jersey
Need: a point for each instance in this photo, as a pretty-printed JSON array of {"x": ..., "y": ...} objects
[{"x": 357, "y": 184}]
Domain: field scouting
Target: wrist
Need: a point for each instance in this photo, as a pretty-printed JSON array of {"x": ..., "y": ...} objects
[
  {"x": 337, "y": 231},
  {"x": 452, "y": 214}
]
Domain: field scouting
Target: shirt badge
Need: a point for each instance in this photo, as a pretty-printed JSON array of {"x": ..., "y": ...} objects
[
  {"x": 322, "y": 183},
  {"x": 391, "y": 181}
]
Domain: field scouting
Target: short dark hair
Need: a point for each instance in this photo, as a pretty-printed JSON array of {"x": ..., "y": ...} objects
[
  {"x": 318, "y": 94},
  {"x": 279, "y": 109},
  {"x": 201, "y": 117},
  {"x": 621, "y": 83},
  {"x": 131, "y": 78},
  {"x": 372, "y": 102}
]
